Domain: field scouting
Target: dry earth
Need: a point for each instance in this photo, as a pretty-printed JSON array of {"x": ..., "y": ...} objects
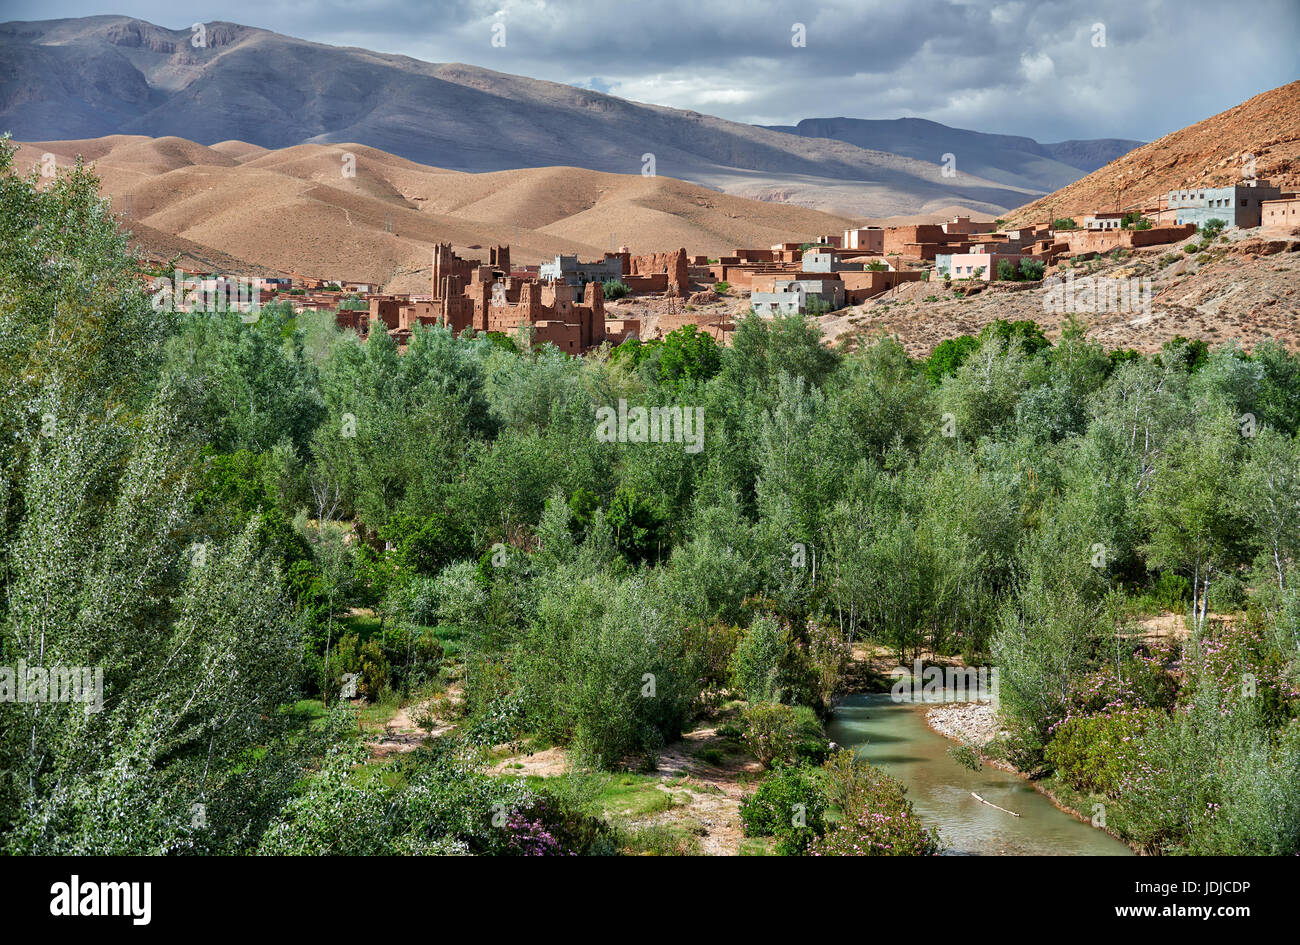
[
  {"x": 1210, "y": 153},
  {"x": 1245, "y": 288},
  {"x": 249, "y": 209}
]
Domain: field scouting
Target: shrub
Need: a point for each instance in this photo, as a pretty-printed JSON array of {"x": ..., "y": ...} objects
[
  {"x": 948, "y": 356},
  {"x": 1032, "y": 269},
  {"x": 829, "y": 652},
  {"x": 722, "y": 288},
  {"x": 440, "y": 807},
  {"x": 1172, "y": 591},
  {"x": 968, "y": 756},
  {"x": 756, "y": 662},
  {"x": 1212, "y": 781},
  {"x": 373, "y": 668},
  {"x": 1227, "y": 594},
  {"x": 1064, "y": 223},
  {"x": 771, "y": 731},
  {"x": 810, "y": 742},
  {"x": 1096, "y": 753},
  {"x": 615, "y": 288},
  {"x": 878, "y": 818},
  {"x": 603, "y": 668},
  {"x": 343, "y": 659},
  {"x": 846, "y": 778},
  {"x": 789, "y": 805},
  {"x": 1006, "y": 270},
  {"x": 688, "y": 357}
]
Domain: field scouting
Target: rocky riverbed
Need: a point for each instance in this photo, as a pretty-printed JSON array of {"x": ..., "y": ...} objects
[{"x": 973, "y": 723}]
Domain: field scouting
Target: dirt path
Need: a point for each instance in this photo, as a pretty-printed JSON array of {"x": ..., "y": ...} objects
[
  {"x": 712, "y": 793},
  {"x": 401, "y": 734},
  {"x": 707, "y": 795}
]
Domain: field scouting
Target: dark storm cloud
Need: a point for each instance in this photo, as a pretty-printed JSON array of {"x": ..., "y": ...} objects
[{"x": 1016, "y": 67}]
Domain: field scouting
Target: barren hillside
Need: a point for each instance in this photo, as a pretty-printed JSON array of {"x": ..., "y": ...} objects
[
  {"x": 1210, "y": 153},
  {"x": 1245, "y": 288},
  {"x": 299, "y": 210}
]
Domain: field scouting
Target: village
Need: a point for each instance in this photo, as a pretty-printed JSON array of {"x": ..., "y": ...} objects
[{"x": 575, "y": 305}]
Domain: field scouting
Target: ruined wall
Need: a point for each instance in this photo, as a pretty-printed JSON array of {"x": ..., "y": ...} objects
[
  {"x": 673, "y": 264},
  {"x": 446, "y": 263},
  {"x": 1103, "y": 241}
]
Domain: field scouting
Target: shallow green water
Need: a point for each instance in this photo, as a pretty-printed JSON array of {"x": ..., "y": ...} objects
[{"x": 895, "y": 737}]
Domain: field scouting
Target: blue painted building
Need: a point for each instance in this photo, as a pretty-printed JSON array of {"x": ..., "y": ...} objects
[{"x": 1239, "y": 205}]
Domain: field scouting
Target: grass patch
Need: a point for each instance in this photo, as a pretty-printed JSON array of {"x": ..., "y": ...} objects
[
  {"x": 661, "y": 840},
  {"x": 614, "y": 796}
]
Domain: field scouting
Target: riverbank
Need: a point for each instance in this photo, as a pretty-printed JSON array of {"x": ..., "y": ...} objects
[{"x": 976, "y": 724}]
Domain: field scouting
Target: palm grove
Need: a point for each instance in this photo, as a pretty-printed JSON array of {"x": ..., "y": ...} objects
[{"x": 202, "y": 507}]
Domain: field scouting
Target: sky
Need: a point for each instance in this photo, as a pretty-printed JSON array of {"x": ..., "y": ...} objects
[{"x": 1048, "y": 69}]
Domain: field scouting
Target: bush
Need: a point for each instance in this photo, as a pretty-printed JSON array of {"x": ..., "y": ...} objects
[
  {"x": 948, "y": 356},
  {"x": 1064, "y": 223},
  {"x": 1032, "y": 269},
  {"x": 1096, "y": 753},
  {"x": 771, "y": 731},
  {"x": 1172, "y": 591},
  {"x": 789, "y": 805},
  {"x": 372, "y": 665},
  {"x": 1227, "y": 594},
  {"x": 615, "y": 289},
  {"x": 603, "y": 668},
  {"x": 847, "y": 778},
  {"x": 810, "y": 742},
  {"x": 439, "y": 807},
  {"x": 1211, "y": 780},
  {"x": 878, "y": 819},
  {"x": 756, "y": 662}
]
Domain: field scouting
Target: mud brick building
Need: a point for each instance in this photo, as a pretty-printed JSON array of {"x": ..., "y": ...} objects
[
  {"x": 1283, "y": 212},
  {"x": 1103, "y": 241},
  {"x": 655, "y": 272}
]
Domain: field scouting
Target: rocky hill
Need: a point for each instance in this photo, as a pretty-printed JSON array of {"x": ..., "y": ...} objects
[{"x": 1210, "y": 153}]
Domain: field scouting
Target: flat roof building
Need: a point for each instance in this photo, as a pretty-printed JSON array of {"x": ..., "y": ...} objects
[{"x": 1239, "y": 205}]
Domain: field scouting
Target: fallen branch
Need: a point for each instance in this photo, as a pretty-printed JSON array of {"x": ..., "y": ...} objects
[{"x": 994, "y": 806}]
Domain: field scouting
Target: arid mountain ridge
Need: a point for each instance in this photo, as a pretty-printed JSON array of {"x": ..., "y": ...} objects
[
  {"x": 1259, "y": 138},
  {"x": 106, "y": 75},
  {"x": 241, "y": 208}
]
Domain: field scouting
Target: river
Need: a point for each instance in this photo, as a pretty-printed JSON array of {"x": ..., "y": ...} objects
[{"x": 894, "y": 737}]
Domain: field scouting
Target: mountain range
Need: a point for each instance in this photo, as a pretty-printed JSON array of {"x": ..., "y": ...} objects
[
  {"x": 108, "y": 75},
  {"x": 1007, "y": 159}
]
